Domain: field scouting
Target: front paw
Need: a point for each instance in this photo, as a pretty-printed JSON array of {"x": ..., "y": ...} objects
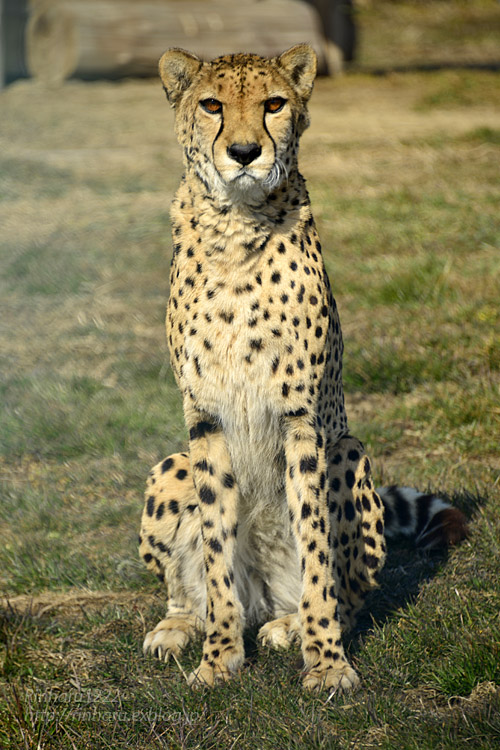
[
  {"x": 340, "y": 678},
  {"x": 169, "y": 637},
  {"x": 217, "y": 667},
  {"x": 208, "y": 676}
]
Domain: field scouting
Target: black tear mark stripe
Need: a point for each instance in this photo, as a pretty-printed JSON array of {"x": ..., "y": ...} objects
[{"x": 215, "y": 141}]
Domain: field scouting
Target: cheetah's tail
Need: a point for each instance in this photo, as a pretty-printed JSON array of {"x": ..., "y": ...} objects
[{"x": 431, "y": 521}]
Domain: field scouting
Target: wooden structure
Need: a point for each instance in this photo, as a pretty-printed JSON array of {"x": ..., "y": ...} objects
[
  {"x": 13, "y": 18},
  {"x": 116, "y": 38}
]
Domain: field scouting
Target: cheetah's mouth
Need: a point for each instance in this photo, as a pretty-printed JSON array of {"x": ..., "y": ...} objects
[{"x": 244, "y": 173}]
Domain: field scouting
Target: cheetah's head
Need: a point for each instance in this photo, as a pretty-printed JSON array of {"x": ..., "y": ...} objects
[{"x": 239, "y": 117}]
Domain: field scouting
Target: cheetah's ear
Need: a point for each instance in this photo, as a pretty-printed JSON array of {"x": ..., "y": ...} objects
[
  {"x": 177, "y": 70},
  {"x": 300, "y": 62}
]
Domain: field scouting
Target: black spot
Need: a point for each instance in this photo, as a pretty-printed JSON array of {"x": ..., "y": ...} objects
[
  {"x": 276, "y": 277},
  {"x": 308, "y": 464},
  {"x": 298, "y": 413},
  {"x": 353, "y": 455},
  {"x": 167, "y": 465},
  {"x": 256, "y": 344},
  {"x": 349, "y": 510},
  {"x": 215, "y": 545},
  {"x": 173, "y": 506},
  {"x": 370, "y": 560},
  {"x": 306, "y": 510},
  {"x": 181, "y": 474},
  {"x": 150, "y": 506},
  {"x": 228, "y": 480},
  {"x": 207, "y": 495},
  {"x": 201, "y": 429},
  {"x": 281, "y": 248},
  {"x": 349, "y": 479},
  {"x": 285, "y": 390},
  {"x": 324, "y": 622}
]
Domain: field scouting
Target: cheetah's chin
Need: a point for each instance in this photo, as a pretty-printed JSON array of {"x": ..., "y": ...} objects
[{"x": 250, "y": 188}]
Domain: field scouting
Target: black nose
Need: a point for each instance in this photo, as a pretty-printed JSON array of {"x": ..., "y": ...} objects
[{"x": 244, "y": 153}]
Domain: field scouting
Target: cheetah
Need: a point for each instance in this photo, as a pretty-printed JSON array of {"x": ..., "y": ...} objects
[{"x": 271, "y": 516}]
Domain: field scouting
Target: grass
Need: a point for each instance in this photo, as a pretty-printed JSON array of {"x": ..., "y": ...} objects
[
  {"x": 403, "y": 175},
  {"x": 412, "y": 33}
]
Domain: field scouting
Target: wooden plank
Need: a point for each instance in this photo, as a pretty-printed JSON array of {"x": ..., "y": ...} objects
[{"x": 116, "y": 38}]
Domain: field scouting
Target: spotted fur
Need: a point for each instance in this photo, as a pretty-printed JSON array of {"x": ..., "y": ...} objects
[{"x": 272, "y": 515}]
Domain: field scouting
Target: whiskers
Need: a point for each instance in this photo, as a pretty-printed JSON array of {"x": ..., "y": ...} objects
[{"x": 276, "y": 176}]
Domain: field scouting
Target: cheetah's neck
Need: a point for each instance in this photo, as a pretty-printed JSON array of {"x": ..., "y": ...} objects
[{"x": 237, "y": 231}]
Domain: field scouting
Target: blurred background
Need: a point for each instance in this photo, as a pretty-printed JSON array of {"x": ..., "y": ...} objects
[{"x": 58, "y": 39}]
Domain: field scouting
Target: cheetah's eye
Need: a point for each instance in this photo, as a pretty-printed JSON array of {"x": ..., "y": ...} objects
[
  {"x": 275, "y": 104},
  {"x": 212, "y": 106}
]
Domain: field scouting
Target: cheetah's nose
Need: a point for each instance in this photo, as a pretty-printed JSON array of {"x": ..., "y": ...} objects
[{"x": 244, "y": 153}]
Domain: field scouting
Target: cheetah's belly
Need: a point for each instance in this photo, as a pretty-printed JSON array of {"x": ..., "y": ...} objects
[{"x": 266, "y": 564}]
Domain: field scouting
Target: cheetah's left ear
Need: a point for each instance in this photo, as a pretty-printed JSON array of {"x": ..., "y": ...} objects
[
  {"x": 177, "y": 70},
  {"x": 300, "y": 62}
]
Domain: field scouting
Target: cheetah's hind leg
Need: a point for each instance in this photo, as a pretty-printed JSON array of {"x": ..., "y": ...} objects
[
  {"x": 170, "y": 636},
  {"x": 171, "y": 547},
  {"x": 282, "y": 632}
]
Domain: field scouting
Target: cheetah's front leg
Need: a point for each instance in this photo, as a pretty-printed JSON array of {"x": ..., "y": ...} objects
[
  {"x": 306, "y": 486},
  {"x": 223, "y": 651}
]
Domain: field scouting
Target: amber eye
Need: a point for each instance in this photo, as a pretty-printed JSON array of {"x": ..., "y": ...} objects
[
  {"x": 213, "y": 106},
  {"x": 275, "y": 104}
]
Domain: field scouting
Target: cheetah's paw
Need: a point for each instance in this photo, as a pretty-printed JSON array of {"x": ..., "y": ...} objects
[
  {"x": 282, "y": 632},
  {"x": 340, "y": 678},
  {"x": 207, "y": 676},
  {"x": 218, "y": 669},
  {"x": 168, "y": 638}
]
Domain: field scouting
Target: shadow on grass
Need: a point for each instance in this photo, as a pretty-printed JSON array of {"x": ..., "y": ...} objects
[{"x": 406, "y": 569}]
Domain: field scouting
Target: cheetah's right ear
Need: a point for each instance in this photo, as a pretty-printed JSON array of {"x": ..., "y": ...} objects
[
  {"x": 300, "y": 63},
  {"x": 177, "y": 70}
]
